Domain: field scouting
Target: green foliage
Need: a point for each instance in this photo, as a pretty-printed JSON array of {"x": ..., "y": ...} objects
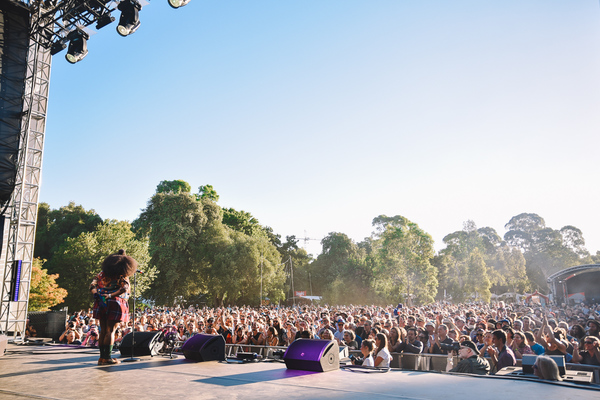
[
  {"x": 173, "y": 223},
  {"x": 208, "y": 192},
  {"x": 202, "y": 258},
  {"x": 174, "y": 187},
  {"x": 79, "y": 259},
  {"x": 546, "y": 250},
  {"x": 241, "y": 221},
  {"x": 55, "y": 226},
  {"x": 405, "y": 253},
  {"x": 44, "y": 292}
]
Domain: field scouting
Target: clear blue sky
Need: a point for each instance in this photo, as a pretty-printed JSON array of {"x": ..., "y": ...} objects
[{"x": 318, "y": 116}]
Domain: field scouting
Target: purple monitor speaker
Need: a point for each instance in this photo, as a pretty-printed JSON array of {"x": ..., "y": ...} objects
[
  {"x": 313, "y": 355},
  {"x": 202, "y": 347},
  {"x": 146, "y": 344}
]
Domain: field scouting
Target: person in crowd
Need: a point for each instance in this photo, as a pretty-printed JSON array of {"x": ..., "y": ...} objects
[
  {"x": 546, "y": 368},
  {"x": 91, "y": 338},
  {"x": 111, "y": 291},
  {"x": 396, "y": 337},
  {"x": 326, "y": 335},
  {"x": 71, "y": 335},
  {"x": 339, "y": 332},
  {"x": 240, "y": 336},
  {"x": 272, "y": 338},
  {"x": 410, "y": 344},
  {"x": 366, "y": 349},
  {"x": 257, "y": 337},
  {"x": 350, "y": 340},
  {"x": 382, "y": 354},
  {"x": 441, "y": 337},
  {"x": 520, "y": 345},
  {"x": 471, "y": 361},
  {"x": 578, "y": 333},
  {"x": 593, "y": 328},
  {"x": 364, "y": 330},
  {"x": 501, "y": 355},
  {"x": 535, "y": 346},
  {"x": 590, "y": 354},
  {"x": 552, "y": 340}
]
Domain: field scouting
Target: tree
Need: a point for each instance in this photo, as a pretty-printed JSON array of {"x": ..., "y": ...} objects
[
  {"x": 208, "y": 192},
  {"x": 241, "y": 221},
  {"x": 546, "y": 250},
  {"x": 44, "y": 292},
  {"x": 340, "y": 273},
  {"x": 404, "y": 252},
  {"x": 174, "y": 187},
  {"x": 55, "y": 226},
  {"x": 79, "y": 259},
  {"x": 173, "y": 223},
  {"x": 237, "y": 262}
]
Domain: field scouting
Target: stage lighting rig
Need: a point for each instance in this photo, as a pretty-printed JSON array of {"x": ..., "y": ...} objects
[
  {"x": 130, "y": 19},
  {"x": 52, "y": 21},
  {"x": 178, "y": 3},
  {"x": 77, "y": 46}
]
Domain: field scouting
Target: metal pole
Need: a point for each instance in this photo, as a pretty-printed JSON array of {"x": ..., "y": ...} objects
[
  {"x": 292, "y": 275},
  {"x": 261, "y": 292}
]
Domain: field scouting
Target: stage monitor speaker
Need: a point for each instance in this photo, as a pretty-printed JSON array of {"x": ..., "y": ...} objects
[
  {"x": 3, "y": 344},
  {"x": 313, "y": 355},
  {"x": 527, "y": 363},
  {"x": 146, "y": 344},
  {"x": 529, "y": 359},
  {"x": 201, "y": 347}
]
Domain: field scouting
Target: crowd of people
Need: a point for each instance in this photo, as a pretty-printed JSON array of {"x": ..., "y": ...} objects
[{"x": 496, "y": 333}]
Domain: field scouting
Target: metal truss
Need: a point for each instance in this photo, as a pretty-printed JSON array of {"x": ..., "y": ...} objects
[
  {"x": 24, "y": 204},
  {"x": 57, "y": 18}
]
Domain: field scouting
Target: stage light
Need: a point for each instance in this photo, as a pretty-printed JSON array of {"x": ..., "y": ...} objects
[
  {"x": 77, "y": 46},
  {"x": 178, "y": 3},
  {"x": 129, "y": 21},
  {"x": 104, "y": 20}
]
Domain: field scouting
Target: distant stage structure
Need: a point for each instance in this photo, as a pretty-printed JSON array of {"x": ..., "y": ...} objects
[
  {"x": 576, "y": 284},
  {"x": 31, "y": 32}
]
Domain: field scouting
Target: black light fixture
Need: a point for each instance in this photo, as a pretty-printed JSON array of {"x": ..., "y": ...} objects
[
  {"x": 178, "y": 3},
  {"x": 129, "y": 21},
  {"x": 77, "y": 46},
  {"x": 104, "y": 20}
]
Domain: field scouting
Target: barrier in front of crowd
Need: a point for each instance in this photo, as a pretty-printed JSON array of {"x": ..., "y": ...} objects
[{"x": 407, "y": 361}]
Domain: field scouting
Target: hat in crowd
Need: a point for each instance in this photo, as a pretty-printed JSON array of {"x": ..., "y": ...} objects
[
  {"x": 470, "y": 345},
  {"x": 420, "y": 319},
  {"x": 341, "y": 320},
  {"x": 593, "y": 321},
  {"x": 446, "y": 320},
  {"x": 430, "y": 323}
]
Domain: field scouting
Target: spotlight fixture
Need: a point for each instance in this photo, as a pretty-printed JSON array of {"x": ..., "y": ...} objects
[
  {"x": 129, "y": 21},
  {"x": 178, "y": 3},
  {"x": 77, "y": 46},
  {"x": 104, "y": 20}
]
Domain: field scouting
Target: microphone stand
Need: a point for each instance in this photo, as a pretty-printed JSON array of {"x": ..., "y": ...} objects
[{"x": 133, "y": 359}]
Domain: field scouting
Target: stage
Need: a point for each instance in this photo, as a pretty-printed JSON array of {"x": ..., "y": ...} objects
[{"x": 58, "y": 372}]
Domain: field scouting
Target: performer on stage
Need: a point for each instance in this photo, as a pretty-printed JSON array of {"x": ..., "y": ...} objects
[{"x": 111, "y": 291}]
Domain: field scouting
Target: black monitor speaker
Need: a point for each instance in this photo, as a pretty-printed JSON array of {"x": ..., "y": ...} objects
[
  {"x": 146, "y": 344},
  {"x": 201, "y": 347}
]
